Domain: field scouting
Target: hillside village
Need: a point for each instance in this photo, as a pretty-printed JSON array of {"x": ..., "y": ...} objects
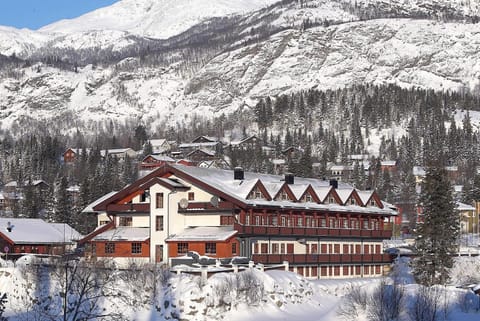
[{"x": 344, "y": 227}]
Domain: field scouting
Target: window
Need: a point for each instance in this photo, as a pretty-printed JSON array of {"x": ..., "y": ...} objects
[
  {"x": 210, "y": 248},
  {"x": 284, "y": 220},
  {"x": 345, "y": 223},
  {"x": 234, "y": 248},
  {"x": 109, "y": 248},
  {"x": 257, "y": 220},
  {"x": 182, "y": 248},
  {"x": 308, "y": 198},
  {"x": 159, "y": 200},
  {"x": 191, "y": 196},
  {"x": 323, "y": 222},
  {"x": 352, "y": 200},
  {"x": 159, "y": 223},
  {"x": 299, "y": 221},
  {"x": 247, "y": 220},
  {"x": 282, "y": 248},
  {"x": 365, "y": 224},
  {"x": 144, "y": 196},
  {"x": 274, "y": 220},
  {"x": 372, "y": 202},
  {"x": 136, "y": 248},
  {"x": 308, "y": 222},
  {"x": 275, "y": 248},
  {"x": 125, "y": 221}
]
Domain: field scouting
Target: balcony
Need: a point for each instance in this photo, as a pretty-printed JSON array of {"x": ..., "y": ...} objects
[
  {"x": 323, "y": 258},
  {"x": 266, "y": 230},
  {"x": 123, "y": 208},
  {"x": 205, "y": 207}
]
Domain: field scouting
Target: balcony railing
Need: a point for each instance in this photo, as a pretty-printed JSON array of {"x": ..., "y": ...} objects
[
  {"x": 322, "y": 258},
  {"x": 139, "y": 207},
  {"x": 309, "y": 231},
  {"x": 205, "y": 207}
]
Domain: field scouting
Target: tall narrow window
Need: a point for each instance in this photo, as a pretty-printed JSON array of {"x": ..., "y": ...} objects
[
  {"x": 159, "y": 200},
  {"x": 191, "y": 196},
  {"x": 109, "y": 248},
  {"x": 159, "y": 223}
]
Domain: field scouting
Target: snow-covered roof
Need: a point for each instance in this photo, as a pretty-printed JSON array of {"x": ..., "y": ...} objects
[
  {"x": 223, "y": 180},
  {"x": 194, "y": 145},
  {"x": 35, "y": 231},
  {"x": 204, "y": 233},
  {"x": 298, "y": 190},
  {"x": 73, "y": 189},
  {"x": 464, "y": 207},
  {"x": 68, "y": 231},
  {"x": 89, "y": 208},
  {"x": 124, "y": 233},
  {"x": 364, "y": 196},
  {"x": 162, "y": 158},
  {"x": 158, "y": 142},
  {"x": 344, "y": 194},
  {"x": 203, "y": 150},
  {"x": 341, "y": 167},
  {"x": 418, "y": 171},
  {"x": 278, "y": 162},
  {"x": 388, "y": 163}
]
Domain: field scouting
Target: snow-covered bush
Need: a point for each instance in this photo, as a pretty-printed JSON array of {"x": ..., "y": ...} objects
[{"x": 465, "y": 271}]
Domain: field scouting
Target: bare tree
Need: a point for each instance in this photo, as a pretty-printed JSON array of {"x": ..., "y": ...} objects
[{"x": 427, "y": 305}]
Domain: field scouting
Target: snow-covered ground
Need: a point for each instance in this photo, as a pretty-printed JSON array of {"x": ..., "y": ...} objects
[{"x": 251, "y": 296}]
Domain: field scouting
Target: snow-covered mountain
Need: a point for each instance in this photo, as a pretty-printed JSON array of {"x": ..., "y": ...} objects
[{"x": 117, "y": 63}]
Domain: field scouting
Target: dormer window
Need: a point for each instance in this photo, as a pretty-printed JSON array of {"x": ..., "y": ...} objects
[
  {"x": 352, "y": 201},
  {"x": 307, "y": 198},
  {"x": 372, "y": 202},
  {"x": 331, "y": 200},
  {"x": 282, "y": 196},
  {"x": 256, "y": 193}
]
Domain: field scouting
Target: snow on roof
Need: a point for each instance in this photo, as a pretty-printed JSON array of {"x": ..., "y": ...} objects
[
  {"x": 33, "y": 231},
  {"x": 223, "y": 180},
  {"x": 298, "y": 190},
  {"x": 278, "y": 161},
  {"x": 322, "y": 192},
  {"x": 11, "y": 184},
  {"x": 158, "y": 142},
  {"x": 344, "y": 194},
  {"x": 204, "y": 233},
  {"x": 203, "y": 150},
  {"x": 193, "y": 145},
  {"x": 341, "y": 168},
  {"x": 273, "y": 188},
  {"x": 89, "y": 208},
  {"x": 418, "y": 171},
  {"x": 161, "y": 158},
  {"x": 388, "y": 163},
  {"x": 365, "y": 196},
  {"x": 73, "y": 188},
  {"x": 124, "y": 233},
  {"x": 463, "y": 207},
  {"x": 65, "y": 229}
]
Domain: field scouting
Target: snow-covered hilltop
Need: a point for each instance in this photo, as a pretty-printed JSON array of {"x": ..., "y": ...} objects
[{"x": 166, "y": 60}]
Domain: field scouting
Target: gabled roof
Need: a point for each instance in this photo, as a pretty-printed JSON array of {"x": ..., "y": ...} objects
[
  {"x": 221, "y": 183},
  {"x": 344, "y": 194},
  {"x": 298, "y": 190},
  {"x": 202, "y": 151},
  {"x": 89, "y": 208},
  {"x": 158, "y": 142},
  {"x": 365, "y": 196},
  {"x": 160, "y": 158},
  {"x": 36, "y": 231},
  {"x": 322, "y": 192}
]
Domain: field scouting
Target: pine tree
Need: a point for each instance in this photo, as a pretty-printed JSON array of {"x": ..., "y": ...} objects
[
  {"x": 62, "y": 209},
  {"x": 438, "y": 231}
]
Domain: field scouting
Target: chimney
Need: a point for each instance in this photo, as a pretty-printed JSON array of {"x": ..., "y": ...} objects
[
  {"x": 334, "y": 183},
  {"x": 289, "y": 178},
  {"x": 238, "y": 173}
]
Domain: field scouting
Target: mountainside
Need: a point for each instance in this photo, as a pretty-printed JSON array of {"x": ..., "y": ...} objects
[{"x": 162, "y": 65}]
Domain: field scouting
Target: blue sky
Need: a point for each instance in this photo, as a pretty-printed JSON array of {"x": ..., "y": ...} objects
[{"x": 34, "y": 14}]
